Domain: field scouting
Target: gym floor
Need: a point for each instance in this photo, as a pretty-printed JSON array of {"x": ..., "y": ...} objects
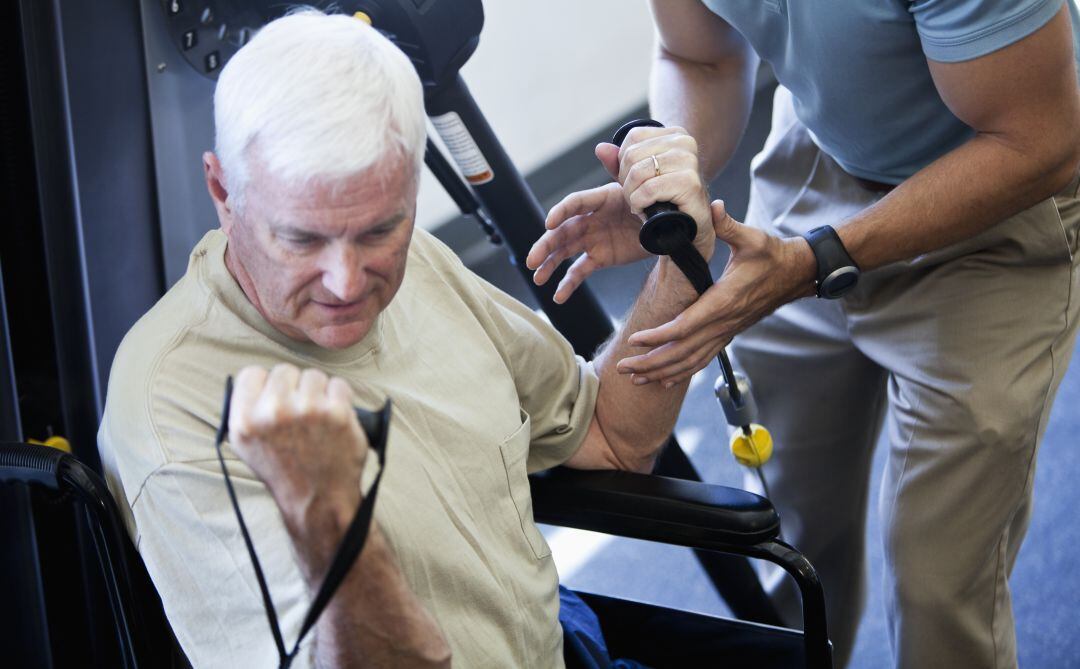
[{"x": 1045, "y": 582}]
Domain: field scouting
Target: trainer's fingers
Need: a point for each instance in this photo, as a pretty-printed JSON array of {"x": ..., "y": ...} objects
[
  {"x": 608, "y": 155},
  {"x": 541, "y": 249},
  {"x": 669, "y": 163},
  {"x": 550, "y": 242},
  {"x": 677, "y": 187},
  {"x": 671, "y": 139}
]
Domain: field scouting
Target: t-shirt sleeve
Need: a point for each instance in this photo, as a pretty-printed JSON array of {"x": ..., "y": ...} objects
[
  {"x": 185, "y": 529},
  {"x": 953, "y": 31},
  {"x": 193, "y": 550},
  {"x": 556, "y": 387}
]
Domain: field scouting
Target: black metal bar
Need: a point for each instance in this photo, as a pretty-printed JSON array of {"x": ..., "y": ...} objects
[
  {"x": 520, "y": 220},
  {"x": 733, "y": 576},
  {"x": 462, "y": 196},
  {"x": 22, "y": 615},
  {"x": 10, "y": 423},
  {"x": 815, "y": 631},
  {"x": 50, "y": 132}
]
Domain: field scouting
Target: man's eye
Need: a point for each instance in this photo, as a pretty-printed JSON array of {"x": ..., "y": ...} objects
[
  {"x": 378, "y": 233},
  {"x": 300, "y": 241}
]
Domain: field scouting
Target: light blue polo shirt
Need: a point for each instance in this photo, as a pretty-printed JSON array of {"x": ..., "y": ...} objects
[{"x": 857, "y": 68}]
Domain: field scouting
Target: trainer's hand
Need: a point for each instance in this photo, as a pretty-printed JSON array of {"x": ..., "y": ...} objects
[
  {"x": 603, "y": 223},
  {"x": 299, "y": 433},
  {"x": 763, "y": 273}
]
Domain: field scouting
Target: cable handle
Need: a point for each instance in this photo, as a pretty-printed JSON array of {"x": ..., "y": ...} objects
[{"x": 666, "y": 229}]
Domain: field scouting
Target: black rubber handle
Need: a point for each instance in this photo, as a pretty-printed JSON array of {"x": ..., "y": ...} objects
[
  {"x": 625, "y": 128},
  {"x": 373, "y": 423},
  {"x": 31, "y": 464},
  {"x": 666, "y": 229}
]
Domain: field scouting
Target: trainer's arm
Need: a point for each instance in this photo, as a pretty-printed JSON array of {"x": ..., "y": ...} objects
[
  {"x": 702, "y": 78},
  {"x": 1024, "y": 105}
]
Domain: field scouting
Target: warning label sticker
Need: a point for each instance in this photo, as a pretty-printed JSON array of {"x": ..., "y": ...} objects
[{"x": 463, "y": 148}]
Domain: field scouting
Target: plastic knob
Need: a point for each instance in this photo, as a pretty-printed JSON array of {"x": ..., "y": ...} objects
[{"x": 753, "y": 450}]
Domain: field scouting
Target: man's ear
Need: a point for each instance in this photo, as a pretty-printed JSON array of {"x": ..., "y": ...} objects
[{"x": 215, "y": 184}]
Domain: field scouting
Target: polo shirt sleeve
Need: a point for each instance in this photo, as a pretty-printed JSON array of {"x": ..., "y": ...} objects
[{"x": 957, "y": 30}]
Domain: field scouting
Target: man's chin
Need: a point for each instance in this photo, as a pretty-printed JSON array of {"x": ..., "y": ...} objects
[{"x": 337, "y": 337}]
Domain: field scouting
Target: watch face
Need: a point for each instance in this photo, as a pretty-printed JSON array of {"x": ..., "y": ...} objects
[{"x": 840, "y": 281}]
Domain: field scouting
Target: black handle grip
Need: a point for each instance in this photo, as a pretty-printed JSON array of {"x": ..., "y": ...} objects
[
  {"x": 666, "y": 229},
  {"x": 659, "y": 208},
  {"x": 373, "y": 423},
  {"x": 620, "y": 134},
  {"x": 31, "y": 464},
  {"x": 670, "y": 232}
]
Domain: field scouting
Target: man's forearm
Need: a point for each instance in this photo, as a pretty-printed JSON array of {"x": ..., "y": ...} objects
[
  {"x": 956, "y": 197},
  {"x": 374, "y": 619},
  {"x": 636, "y": 419},
  {"x": 711, "y": 100}
]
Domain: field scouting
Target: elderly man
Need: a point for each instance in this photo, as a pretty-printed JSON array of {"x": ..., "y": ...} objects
[
  {"x": 935, "y": 147},
  {"x": 317, "y": 267}
]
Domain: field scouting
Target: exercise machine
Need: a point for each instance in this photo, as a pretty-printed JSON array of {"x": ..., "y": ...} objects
[{"x": 108, "y": 247}]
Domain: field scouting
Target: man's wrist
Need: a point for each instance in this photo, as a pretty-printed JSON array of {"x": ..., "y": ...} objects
[{"x": 316, "y": 526}]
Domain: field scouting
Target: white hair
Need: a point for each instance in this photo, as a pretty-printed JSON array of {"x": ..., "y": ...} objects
[{"x": 323, "y": 97}]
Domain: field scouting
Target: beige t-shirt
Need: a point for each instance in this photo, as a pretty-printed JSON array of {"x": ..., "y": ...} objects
[{"x": 483, "y": 390}]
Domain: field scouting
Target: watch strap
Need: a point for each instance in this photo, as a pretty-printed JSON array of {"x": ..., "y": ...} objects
[{"x": 829, "y": 254}]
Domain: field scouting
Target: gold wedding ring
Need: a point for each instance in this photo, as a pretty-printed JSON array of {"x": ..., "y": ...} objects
[{"x": 656, "y": 165}]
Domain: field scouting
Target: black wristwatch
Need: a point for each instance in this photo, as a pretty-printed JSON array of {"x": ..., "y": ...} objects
[{"x": 837, "y": 273}]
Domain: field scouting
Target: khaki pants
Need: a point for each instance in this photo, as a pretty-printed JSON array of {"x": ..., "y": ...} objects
[{"x": 963, "y": 349}]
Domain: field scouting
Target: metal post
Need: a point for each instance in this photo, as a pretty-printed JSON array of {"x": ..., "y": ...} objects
[{"x": 520, "y": 220}]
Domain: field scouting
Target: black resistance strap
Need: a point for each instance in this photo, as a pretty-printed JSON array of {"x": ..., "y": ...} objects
[{"x": 374, "y": 425}]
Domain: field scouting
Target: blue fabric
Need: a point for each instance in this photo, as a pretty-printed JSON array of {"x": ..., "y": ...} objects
[
  {"x": 858, "y": 71},
  {"x": 583, "y": 641}
]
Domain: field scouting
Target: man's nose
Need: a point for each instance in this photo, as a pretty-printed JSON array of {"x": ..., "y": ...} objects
[{"x": 343, "y": 273}]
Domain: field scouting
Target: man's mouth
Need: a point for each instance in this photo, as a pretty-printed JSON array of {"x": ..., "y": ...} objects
[{"x": 340, "y": 308}]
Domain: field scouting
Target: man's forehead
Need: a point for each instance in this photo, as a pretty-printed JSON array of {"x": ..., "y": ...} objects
[
  {"x": 370, "y": 197},
  {"x": 311, "y": 222}
]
